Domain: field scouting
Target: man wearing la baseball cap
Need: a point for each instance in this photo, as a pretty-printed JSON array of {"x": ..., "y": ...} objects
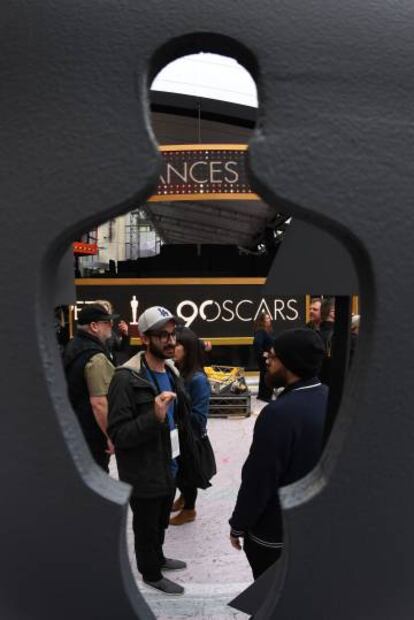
[
  {"x": 287, "y": 444},
  {"x": 145, "y": 396}
]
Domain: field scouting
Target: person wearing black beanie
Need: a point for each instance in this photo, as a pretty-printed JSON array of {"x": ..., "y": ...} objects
[
  {"x": 287, "y": 444},
  {"x": 301, "y": 351}
]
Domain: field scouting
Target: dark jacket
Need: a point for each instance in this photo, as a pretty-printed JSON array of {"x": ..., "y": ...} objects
[
  {"x": 287, "y": 444},
  {"x": 262, "y": 343},
  {"x": 77, "y": 354},
  {"x": 118, "y": 347},
  {"x": 326, "y": 331},
  {"x": 142, "y": 443}
]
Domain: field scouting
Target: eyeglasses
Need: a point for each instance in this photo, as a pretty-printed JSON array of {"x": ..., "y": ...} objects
[{"x": 164, "y": 336}]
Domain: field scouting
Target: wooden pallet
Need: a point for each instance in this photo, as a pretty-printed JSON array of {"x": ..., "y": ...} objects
[{"x": 230, "y": 405}]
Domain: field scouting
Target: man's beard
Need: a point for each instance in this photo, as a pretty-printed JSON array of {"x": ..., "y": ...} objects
[
  {"x": 275, "y": 380},
  {"x": 162, "y": 353},
  {"x": 104, "y": 338}
]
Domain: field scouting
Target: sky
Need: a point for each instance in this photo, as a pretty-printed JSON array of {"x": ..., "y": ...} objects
[{"x": 208, "y": 75}]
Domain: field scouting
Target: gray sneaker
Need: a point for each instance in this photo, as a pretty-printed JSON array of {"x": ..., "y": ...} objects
[
  {"x": 166, "y": 586},
  {"x": 171, "y": 564}
]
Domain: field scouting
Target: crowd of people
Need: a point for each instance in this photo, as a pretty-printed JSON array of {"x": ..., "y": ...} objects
[{"x": 151, "y": 412}]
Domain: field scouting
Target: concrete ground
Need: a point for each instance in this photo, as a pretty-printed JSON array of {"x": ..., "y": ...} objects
[{"x": 216, "y": 572}]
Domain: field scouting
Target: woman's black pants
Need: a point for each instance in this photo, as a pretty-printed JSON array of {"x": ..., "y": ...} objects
[
  {"x": 265, "y": 393},
  {"x": 190, "y": 495}
]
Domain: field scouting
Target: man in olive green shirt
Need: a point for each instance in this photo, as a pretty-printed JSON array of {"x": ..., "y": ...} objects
[
  {"x": 89, "y": 371},
  {"x": 98, "y": 375}
]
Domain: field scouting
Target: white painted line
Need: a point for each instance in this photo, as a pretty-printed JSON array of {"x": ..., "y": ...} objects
[{"x": 200, "y": 590}]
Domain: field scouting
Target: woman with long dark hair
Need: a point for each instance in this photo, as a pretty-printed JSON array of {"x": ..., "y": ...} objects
[
  {"x": 262, "y": 343},
  {"x": 189, "y": 359}
]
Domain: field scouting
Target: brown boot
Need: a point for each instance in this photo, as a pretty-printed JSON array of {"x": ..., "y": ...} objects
[
  {"x": 178, "y": 504},
  {"x": 185, "y": 516}
]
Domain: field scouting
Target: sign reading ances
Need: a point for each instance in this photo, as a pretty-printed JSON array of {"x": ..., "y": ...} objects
[{"x": 203, "y": 172}]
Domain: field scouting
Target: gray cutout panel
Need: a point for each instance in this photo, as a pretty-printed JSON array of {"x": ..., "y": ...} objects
[{"x": 334, "y": 139}]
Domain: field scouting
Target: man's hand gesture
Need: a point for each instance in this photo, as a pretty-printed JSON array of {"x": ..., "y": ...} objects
[{"x": 161, "y": 404}]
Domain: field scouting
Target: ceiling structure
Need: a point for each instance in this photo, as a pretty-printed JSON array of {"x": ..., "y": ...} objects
[{"x": 228, "y": 222}]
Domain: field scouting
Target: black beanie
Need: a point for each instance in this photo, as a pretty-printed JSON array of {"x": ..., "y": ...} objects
[{"x": 301, "y": 351}]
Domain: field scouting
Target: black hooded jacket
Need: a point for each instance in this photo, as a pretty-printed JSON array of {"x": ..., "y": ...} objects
[{"x": 142, "y": 443}]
